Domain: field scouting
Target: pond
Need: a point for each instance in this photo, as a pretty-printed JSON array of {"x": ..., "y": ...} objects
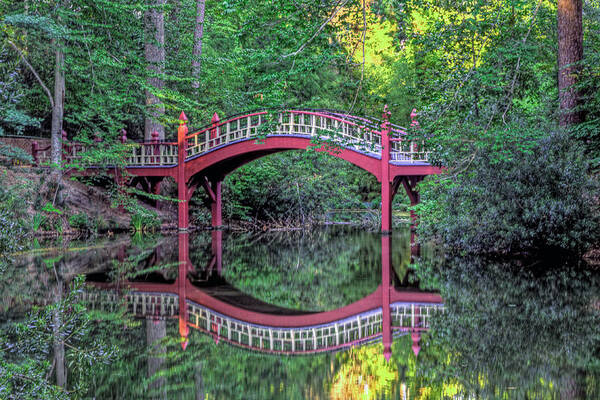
[{"x": 336, "y": 313}]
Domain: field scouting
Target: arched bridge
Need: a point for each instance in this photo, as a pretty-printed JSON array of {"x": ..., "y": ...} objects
[{"x": 205, "y": 156}]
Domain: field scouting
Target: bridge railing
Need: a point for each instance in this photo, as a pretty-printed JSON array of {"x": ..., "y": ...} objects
[
  {"x": 151, "y": 154},
  {"x": 335, "y": 129},
  {"x": 402, "y": 150},
  {"x": 331, "y": 128}
]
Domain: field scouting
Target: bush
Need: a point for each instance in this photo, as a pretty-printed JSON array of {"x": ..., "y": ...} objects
[
  {"x": 531, "y": 201},
  {"x": 143, "y": 219},
  {"x": 79, "y": 221}
]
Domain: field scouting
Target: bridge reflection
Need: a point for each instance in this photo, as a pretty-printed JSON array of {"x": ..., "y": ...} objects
[{"x": 240, "y": 320}]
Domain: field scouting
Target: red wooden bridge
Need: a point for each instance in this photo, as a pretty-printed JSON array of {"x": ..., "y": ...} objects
[
  {"x": 205, "y": 156},
  {"x": 386, "y": 313}
]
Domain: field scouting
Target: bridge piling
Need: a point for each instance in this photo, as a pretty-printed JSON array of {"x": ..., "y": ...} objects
[
  {"x": 216, "y": 205},
  {"x": 386, "y": 189},
  {"x": 182, "y": 192}
]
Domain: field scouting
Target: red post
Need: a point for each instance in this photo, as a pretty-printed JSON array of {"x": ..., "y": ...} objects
[
  {"x": 217, "y": 249},
  {"x": 215, "y": 121},
  {"x": 182, "y": 192},
  {"x": 35, "y": 148},
  {"x": 216, "y": 205},
  {"x": 415, "y": 334},
  {"x": 386, "y": 190},
  {"x": 386, "y": 269},
  {"x": 184, "y": 252}
]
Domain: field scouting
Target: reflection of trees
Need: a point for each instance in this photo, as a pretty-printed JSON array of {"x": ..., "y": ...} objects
[
  {"x": 317, "y": 271},
  {"x": 526, "y": 331}
]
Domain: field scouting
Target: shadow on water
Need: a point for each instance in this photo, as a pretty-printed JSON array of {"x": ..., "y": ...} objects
[{"x": 305, "y": 315}]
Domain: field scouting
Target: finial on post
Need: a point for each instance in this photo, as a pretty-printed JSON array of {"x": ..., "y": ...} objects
[
  {"x": 123, "y": 136},
  {"x": 182, "y": 118},
  {"x": 154, "y": 137},
  {"x": 183, "y": 129},
  {"x": 416, "y": 348},
  {"x": 413, "y": 118},
  {"x": 385, "y": 116},
  {"x": 386, "y": 113}
]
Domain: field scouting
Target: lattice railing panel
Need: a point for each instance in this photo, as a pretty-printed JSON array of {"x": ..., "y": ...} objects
[
  {"x": 140, "y": 304},
  {"x": 409, "y": 315},
  {"x": 287, "y": 340},
  {"x": 333, "y": 129},
  {"x": 152, "y": 154},
  {"x": 408, "y": 151}
]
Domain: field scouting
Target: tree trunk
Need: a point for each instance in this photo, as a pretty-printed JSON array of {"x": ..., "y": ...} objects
[
  {"x": 155, "y": 58},
  {"x": 570, "y": 53},
  {"x": 57, "y": 109},
  {"x": 198, "y": 34},
  {"x": 156, "y": 331},
  {"x": 59, "y": 344}
]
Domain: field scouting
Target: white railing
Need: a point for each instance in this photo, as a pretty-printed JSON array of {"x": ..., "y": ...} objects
[
  {"x": 152, "y": 154},
  {"x": 333, "y": 129}
]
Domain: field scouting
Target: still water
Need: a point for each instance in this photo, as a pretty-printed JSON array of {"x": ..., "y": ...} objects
[{"x": 331, "y": 314}]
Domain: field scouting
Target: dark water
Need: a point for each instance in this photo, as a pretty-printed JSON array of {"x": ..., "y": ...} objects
[{"x": 335, "y": 313}]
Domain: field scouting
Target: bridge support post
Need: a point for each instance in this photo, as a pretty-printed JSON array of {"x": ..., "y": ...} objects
[
  {"x": 386, "y": 189},
  {"x": 216, "y": 205},
  {"x": 217, "y": 249},
  {"x": 182, "y": 191},
  {"x": 410, "y": 185},
  {"x": 184, "y": 264},
  {"x": 386, "y": 271}
]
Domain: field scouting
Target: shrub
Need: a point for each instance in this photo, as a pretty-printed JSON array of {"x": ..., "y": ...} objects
[
  {"x": 79, "y": 221},
  {"x": 531, "y": 201}
]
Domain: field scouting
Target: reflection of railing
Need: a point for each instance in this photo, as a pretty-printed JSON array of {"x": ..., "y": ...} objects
[{"x": 360, "y": 328}]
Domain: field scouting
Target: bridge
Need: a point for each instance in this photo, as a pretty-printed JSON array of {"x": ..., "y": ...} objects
[
  {"x": 384, "y": 314},
  {"x": 204, "y": 157}
]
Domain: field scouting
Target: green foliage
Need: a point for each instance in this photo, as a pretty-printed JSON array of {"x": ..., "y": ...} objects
[
  {"x": 12, "y": 154},
  {"x": 80, "y": 221},
  {"x": 143, "y": 219},
  {"x": 26, "y": 345},
  {"x": 295, "y": 188},
  {"x": 13, "y": 222},
  {"x": 534, "y": 201},
  {"x": 49, "y": 208},
  {"x": 38, "y": 221},
  {"x": 483, "y": 342}
]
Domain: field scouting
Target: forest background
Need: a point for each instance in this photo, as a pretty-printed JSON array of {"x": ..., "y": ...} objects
[{"x": 483, "y": 76}]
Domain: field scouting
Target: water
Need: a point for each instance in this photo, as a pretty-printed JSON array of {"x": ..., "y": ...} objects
[{"x": 295, "y": 315}]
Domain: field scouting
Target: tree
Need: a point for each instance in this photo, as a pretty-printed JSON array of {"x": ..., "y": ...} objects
[
  {"x": 155, "y": 57},
  {"x": 198, "y": 35},
  {"x": 570, "y": 55}
]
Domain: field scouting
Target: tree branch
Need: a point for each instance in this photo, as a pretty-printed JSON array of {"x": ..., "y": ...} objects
[
  {"x": 33, "y": 72},
  {"x": 362, "y": 71},
  {"x": 317, "y": 32}
]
